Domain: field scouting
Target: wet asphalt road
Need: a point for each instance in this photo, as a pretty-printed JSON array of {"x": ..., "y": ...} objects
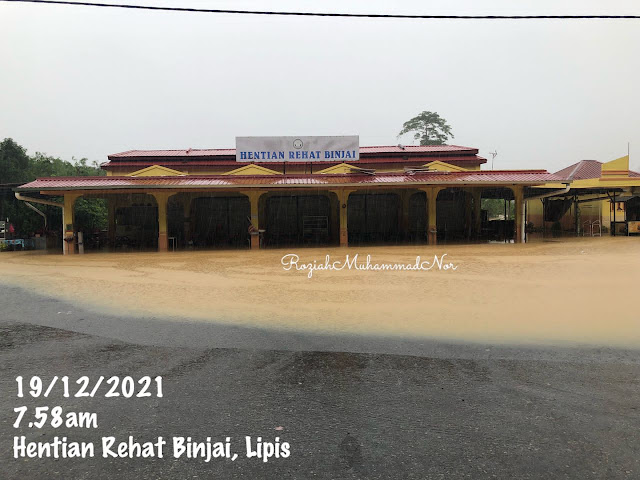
[{"x": 350, "y": 407}]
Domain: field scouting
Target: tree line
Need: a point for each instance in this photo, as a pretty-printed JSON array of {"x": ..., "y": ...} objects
[{"x": 17, "y": 167}]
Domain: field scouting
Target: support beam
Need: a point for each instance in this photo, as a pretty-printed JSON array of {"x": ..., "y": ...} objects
[
  {"x": 162, "y": 199},
  {"x": 405, "y": 197},
  {"x": 518, "y": 193},
  {"x": 186, "y": 216},
  {"x": 613, "y": 206},
  {"x": 477, "y": 211},
  {"x": 343, "y": 204},
  {"x": 254, "y": 200},
  {"x": 68, "y": 228},
  {"x": 468, "y": 212},
  {"x": 576, "y": 215},
  {"x": 111, "y": 229},
  {"x": 432, "y": 210}
]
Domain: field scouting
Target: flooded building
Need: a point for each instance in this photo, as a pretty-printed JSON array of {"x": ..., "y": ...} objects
[
  {"x": 592, "y": 198},
  {"x": 176, "y": 199}
]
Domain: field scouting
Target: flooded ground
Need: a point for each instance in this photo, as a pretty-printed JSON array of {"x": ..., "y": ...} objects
[
  {"x": 247, "y": 348},
  {"x": 582, "y": 291}
]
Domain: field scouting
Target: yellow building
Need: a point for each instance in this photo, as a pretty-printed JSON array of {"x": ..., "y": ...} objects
[
  {"x": 591, "y": 198},
  {"x": 205, "y": 198}
]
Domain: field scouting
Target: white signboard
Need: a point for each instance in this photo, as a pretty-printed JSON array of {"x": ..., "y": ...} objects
[{"x": 298, "y": 149}]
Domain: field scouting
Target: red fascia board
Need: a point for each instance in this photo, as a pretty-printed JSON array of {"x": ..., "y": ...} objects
[
  {"x": 363, "y": 158},
  {"x": 145, "y": 155},
  {"x": 366, "y": 150},
  {"x": 302, "y": 175},
  {"x": 503, "y": 176},
  {"x": 208, "y": 162}
]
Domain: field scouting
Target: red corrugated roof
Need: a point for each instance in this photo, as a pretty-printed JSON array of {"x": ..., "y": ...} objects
[
  {"x": 185, "y": 162},
  {"x": 190, "y": 152},
  {"x": 532, "y": 177},
  {"x": 581, "y": 170},
  {"x": 226, "y": 152},
  {"x": 585, "y": 169},
  {"x": 416, "y": 149}
]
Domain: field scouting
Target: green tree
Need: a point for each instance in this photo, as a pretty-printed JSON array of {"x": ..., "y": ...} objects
[
  {"x": 91, "y": 214},
  {"x": 429, "y": 128},
  {"x": 14, "y": 162},
  {"x": 495, "y": 208},
  {"x": 16, "y": 167}
]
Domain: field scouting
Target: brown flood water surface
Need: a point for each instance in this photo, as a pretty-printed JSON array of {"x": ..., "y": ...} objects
[{"x": 584, "y": 291}]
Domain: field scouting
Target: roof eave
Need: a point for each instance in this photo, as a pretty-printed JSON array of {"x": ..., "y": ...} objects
[{"x": 278, "y": 186}]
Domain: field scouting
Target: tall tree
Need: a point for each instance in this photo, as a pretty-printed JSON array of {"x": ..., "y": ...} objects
[{"x": 429, "y": 128}]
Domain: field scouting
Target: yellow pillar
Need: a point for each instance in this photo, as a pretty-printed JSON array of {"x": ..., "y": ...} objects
[
  {"x": 518, "y": 193},
  {"x": 254, "y": 200},
  {"x": 162, "y": 198},
  {"x": 343, "y": 203},
  {"x": 432, "y": 227},
  {"x": 69, "y": 242}
]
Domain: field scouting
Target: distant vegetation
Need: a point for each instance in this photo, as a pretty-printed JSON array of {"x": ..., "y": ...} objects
[
  {"x": 429, "y": 128},
  {"x": 17, "y": 167},
  {"x": 496, "y": 208}
]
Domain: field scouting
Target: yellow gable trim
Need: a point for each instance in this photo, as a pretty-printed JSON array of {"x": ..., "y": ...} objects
[
  {"x": 439, "y": 166},
  {"x": 551, "y": 185},
  {"x": 156, "y": 171},
  {"x": 253, "y": 169},
  {"x": 614, "y": 182},
  {"x": 618, "y": 167},
  {"x": 340, "y": 168}
]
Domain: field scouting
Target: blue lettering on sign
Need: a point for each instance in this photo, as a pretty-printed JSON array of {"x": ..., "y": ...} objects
[{"x": 299, "y": 155}]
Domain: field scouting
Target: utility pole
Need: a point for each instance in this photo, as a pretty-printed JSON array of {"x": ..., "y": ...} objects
[{"x": 494, "y": 154}]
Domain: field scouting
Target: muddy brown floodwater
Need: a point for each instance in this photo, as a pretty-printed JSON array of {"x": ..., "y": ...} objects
[{"x": 576, "y": 291}]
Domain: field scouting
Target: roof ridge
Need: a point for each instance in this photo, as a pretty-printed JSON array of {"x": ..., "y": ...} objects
[
  {"x": 575, "y": 170},
  {"x": 230, "y": 148}
]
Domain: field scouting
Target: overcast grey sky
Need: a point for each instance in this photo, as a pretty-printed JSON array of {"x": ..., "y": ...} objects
[{"x": 87, "y": 82}]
